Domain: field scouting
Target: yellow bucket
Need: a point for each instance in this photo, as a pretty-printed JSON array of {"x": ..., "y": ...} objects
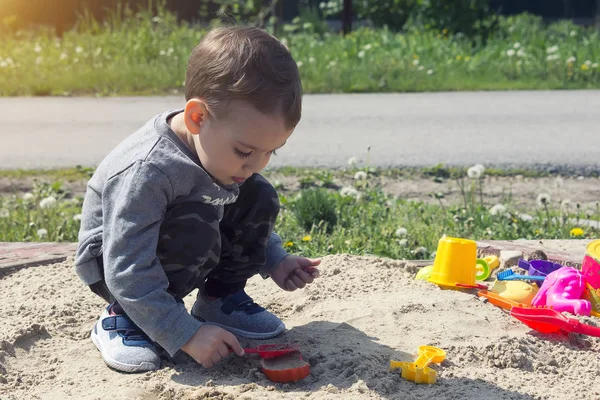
[
  {"x": 593, "y": 296},
  {"x": 455, "y": 263}
]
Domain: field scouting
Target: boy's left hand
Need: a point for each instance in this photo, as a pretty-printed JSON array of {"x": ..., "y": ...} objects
[{"x": 294, "y": 272}]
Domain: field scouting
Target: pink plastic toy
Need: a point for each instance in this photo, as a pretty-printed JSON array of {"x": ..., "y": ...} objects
[{"x": 562, "y": 290}]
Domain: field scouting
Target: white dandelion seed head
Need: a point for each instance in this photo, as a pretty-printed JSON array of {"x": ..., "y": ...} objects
[
  {"x": 415, "y": 62},
  {"x": 429, "y": 72},
  {"x": 48, "y": 202},
  {"x": 352, "y": 161},
  {"x": 476, "y": 171},
  {"x": 552, "y": 49},
  {"x": 595, "y": 65},
  {"x": 78, "y": 49},
  {"x": 4, "y": 213},
  {"x": 401, "y": 232},
  {"x": 553, "y": 57},
  {"x": 498, "y": 209},
  {"x": 403, "y": 242},
  {"x": 573, "y": 33},
  {"x": 42, "y": 233},
  {"x": 525, "y": 217},
  {"x": 28, "y": 196},
  {"x": 571, "y": 60},
  {"x": 299, "y": 64},
  {"x": 543, "y": 199},
  {"x": 348, "y": 192},
  {"x": 360, "y": 176},
  {"x": 420, "y": 68},
  {"x": 368, "y": 46},
  {"x": 510, "y": 52},
  {"x": 311, "y": 60},
  {"x": 521, "y": 53}
]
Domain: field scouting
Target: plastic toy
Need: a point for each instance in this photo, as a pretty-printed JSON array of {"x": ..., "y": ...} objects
[
  {"x": 498, "y": 300},
  {"x": 493, "y": 261},
  {"x": 590, "y": 268},
  {"x": 482, "y": 269},
  {"x": 593, "y": 296},
  {"x": 547, "y": 320},
  {"x": 539, "y": 267},
  {"x": 287, "y": 368},
  {"x": 424, "y": 273},
  {"x": 419, "y": 371},
  {"x": 509, "y": 275},
  {"x": 272, "y": 350},
  {"x": 562, "y": 290},
  {"x": 518, "y": 291},
  {"x": 455, "y": 264}
]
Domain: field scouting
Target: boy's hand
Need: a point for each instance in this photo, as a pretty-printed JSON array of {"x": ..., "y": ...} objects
[
  {"x": 295, "y": 272},
  {"x": 210, "y": 344}
]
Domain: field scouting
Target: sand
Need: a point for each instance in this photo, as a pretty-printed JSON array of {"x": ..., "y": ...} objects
[{"x": 361, "y": 313}]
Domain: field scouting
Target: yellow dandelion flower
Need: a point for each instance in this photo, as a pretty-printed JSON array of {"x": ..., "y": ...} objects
[
  {"x": 584, "y": 67},
  {"x": 537, "y": 232},
  {"x": 458, "y": 58},
  {"x": 307, "y": 238},
  {"x": 416, "y": 57},
  {"x": 577, "y": 232},
  {"x": 445, "y": 31},
  {"x": 288, "y": 244},
  {"x": 467, "y": 58}
]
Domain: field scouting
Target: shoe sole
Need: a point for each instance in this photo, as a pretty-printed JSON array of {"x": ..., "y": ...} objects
[
  {"x": 119, "y": 366},
  {"x": 245, "y": 334}
]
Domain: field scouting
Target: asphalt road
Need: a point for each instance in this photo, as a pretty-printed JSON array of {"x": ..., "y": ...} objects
[{"x": 495, "y": 128}]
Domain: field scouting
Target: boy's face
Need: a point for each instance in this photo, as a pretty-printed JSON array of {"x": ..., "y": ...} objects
[{"x": 239, "y": 144}]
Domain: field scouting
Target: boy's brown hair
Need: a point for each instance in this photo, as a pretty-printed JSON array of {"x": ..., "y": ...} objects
[{"x": 245, "y": 63}]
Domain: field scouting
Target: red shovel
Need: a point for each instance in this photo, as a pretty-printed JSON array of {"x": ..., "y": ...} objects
[
  {"x": 547, "y": 320},
  {"x": 271, "y": 350}
]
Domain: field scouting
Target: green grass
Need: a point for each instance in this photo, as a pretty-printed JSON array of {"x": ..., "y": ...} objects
[
  {"x": 141, "y": 54},
  {"x": 357, "y": 220}
]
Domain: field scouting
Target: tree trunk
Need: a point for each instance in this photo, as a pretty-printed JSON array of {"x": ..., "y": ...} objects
[{"x": 347, "y": 17}]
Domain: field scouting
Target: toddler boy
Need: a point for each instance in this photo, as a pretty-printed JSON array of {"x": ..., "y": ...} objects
[{"x": 180, "y": 205}]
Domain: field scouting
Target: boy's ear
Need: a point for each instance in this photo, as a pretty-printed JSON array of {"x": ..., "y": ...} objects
[{"x": 195, "y": 114}]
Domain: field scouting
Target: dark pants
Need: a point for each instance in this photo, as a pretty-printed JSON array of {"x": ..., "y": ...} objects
[{"x": 194, "y": 245}]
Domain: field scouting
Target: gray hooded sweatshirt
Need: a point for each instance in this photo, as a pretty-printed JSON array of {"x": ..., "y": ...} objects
[{"x": 123, "y": 209}]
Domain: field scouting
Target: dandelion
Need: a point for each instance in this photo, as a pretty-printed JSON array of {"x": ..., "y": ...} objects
[
  {"x": 401, "y": 232},
  {"x": 162, "y": 52},
  {"x": 368, "y": 46},
  {"x": 4, "y": 213},
  {"x": 42, "y": 233},
  {"x": 299, "y": 64},
  {"x": 421, "y": 68},
  {"x": 517, "y": 45},
  {"x": 78, "y": 50},
  {"x": 403, "y": 242},
  {"x": 543, "y": 200},
  {"x": 420, "y": 251},
  {"x": 525, "y": 217},
  {"x": 352, "y": 161},
  {"x": 288, "y": 244},
  {"x": 576, "y": 232},
  {"x": 348, "y": 192},
  {"x": 332, "y": 64},
  {"x": 551, "y": 50},
  {"x": 429, "y": 72},
  {"x": 458, "y": 58},
  {"x": 571, "y": 60},
  {"x": 573, "y": 33},
  {"x": 311, "y": 60},
  {"x": 585, "y": 67},
  {"x": 565, "y": 204},
  {"x": 510, "y": 52},
  {"x": 28, "y": 196},
  {"x": 48, "y": 202},
  {"x": 63, "y": 56},
  {"x": 361, "y": 54},
  {"x": 415, "y": 62},
  {"x": 521, "y": 53},
  {"x": 553, "y": 57},
  {"x": 37, "y": 48},
  {"x": 307, "y": 238},
  {"x": 594, "y": 65},
  {"x": 360, "y": 176},
  {"x": 476, "y": 171},
  {"x": 498, "y": 209},
  {"x": 77, "y": 217}
]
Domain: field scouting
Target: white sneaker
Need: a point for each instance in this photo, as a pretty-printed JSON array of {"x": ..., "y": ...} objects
[{"x": 123, "y": 345}]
